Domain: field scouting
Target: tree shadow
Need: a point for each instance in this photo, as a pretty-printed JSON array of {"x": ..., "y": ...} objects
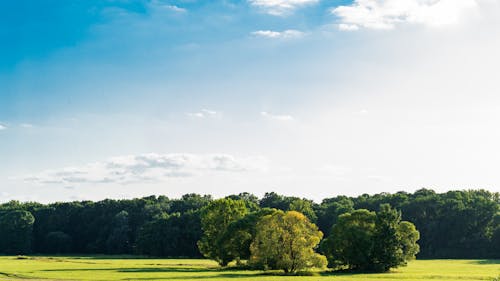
[
  {"x": 135, "y": 269},
  {"x": 215, "y": 273},
  {"x": 164, "y": 269},
  {"x": 110, "y": 257},
  {"x": 486, "y": 262},
  {"x": 352, "y": 272},
  {"x": 199, "y": 277}
]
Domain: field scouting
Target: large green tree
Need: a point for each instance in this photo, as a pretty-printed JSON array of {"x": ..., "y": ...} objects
[
  {"x": 364, "y": 240},
  {"x": 215, "y": 219},
  {"x": 351, "y": 240},
  {"x": 286, "y": 241},
  {"x": 394, "y": 241}
]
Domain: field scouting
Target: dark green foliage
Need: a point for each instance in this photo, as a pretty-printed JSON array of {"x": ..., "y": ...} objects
[
  {"x": 495, "y": 236},
  {"x": 351, "y": 241},
  {"x": 240, "y": 233},
  {"x": 330, "y": 210},
  {"x": 285, "y": 203},
  {"x": 58, "y": 242},
  {"x": 189, "y": 202},
  {"x": 215, "y": 219},
  {"x": 369, "y": 241},
  {"x": 251, "y": 201},
  {"x": 305, "y": 207},
  {"x": 388, "y": 241},
  {"x": 172, "y": 235},
  {"x": 16, "y": 228},
  {"x": 456, "y": 224},
  {"x": 118, "y": 241},
  {"x": 276, "y": 201}
]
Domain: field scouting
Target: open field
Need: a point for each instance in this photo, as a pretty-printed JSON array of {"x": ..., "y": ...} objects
[{"x": 98, "y": 268}]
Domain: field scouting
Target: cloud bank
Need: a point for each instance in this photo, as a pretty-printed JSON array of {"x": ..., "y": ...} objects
[
  {"x": 147, "y": 168},
  {"x": 386, "y": 14}
]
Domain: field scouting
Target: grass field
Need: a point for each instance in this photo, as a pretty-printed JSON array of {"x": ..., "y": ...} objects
[{"x": 101, "y": 268}]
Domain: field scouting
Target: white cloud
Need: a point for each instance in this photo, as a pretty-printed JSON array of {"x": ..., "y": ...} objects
[
  {"x": 276, "y": 117},
  {"x": 160, "y": 5},
  {"x": 280, "y": 7},
  {"x": 3, "y": 127},
  {"x": 148, "y": 168},
  {"x": 204, "y": 113},
  {"x": 286, "y": 34},
  {"x": 175, "y": 8},
  {"x": 386, "y": 14}
]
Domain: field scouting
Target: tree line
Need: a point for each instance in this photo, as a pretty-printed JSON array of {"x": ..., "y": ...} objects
[{"x": 455, "y": 224}]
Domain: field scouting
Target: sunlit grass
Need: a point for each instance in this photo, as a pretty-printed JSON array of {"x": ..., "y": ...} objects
[{"x": 123, "y": 268}]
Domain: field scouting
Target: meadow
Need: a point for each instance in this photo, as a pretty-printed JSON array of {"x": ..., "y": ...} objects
[{"x": 118, "y": 268}]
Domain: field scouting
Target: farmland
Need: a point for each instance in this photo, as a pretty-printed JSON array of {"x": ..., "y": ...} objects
[{"x": 123, "y": 268}]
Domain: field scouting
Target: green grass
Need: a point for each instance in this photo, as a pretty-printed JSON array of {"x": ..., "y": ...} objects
[{"x": 113, "y": 268}]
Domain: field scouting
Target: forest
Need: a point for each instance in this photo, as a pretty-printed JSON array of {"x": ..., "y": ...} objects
[{"x": 456, "y": 224}]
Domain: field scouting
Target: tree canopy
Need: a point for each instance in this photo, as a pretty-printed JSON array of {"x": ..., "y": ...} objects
[
  {"x": 369, "y": 241},
  {"x": 16, "y": 228},
  {"x": 215, "y": 219},
  {"x": 286, "y": 241}
]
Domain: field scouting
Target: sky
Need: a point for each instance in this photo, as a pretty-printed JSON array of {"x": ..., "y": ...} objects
[{"x": 311, "y": 98}]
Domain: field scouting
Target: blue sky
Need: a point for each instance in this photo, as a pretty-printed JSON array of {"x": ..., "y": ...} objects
[{"x": 304, "y": 97}]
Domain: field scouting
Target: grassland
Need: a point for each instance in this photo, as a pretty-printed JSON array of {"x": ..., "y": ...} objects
[{"x": 102, "y": 268}]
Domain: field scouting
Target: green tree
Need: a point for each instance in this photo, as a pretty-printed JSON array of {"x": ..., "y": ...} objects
[
  {"x": 240, "y": 234},
  {"x": 276, "y": 201},
  {"x": 16, "y": 227},
  {"x": 215, "y": 218},
  {"x": 305, "y": 207},
  {"x": 190, "y": 202},
  {"x": 389, "y": 239},
  {"x": 408, "y": 237},
  {"x": 286, "y": 241},
  {"x": 351, "y": 240},
  {"x": 364, "y": 240},
  {"x": 251, "y": 201},
  {"x": 329, "y": 211}
]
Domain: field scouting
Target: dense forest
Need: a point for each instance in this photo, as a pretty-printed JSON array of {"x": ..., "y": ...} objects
[{"x": 455, "y": 224}]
